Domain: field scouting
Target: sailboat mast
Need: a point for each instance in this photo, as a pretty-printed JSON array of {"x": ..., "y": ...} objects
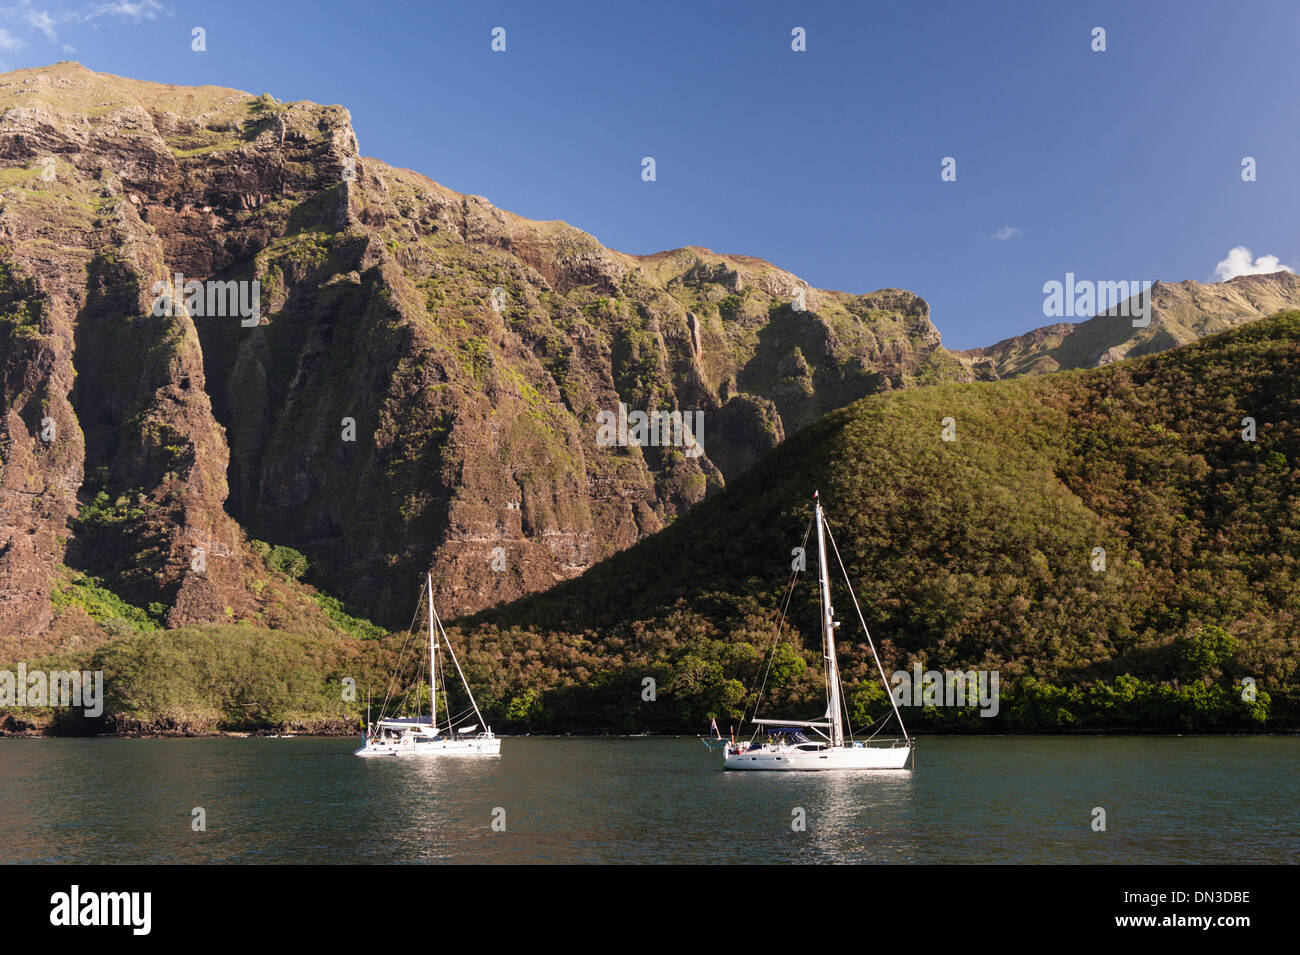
[
  {"x": 433, "y": 661},
  {"x": 828, "y": 630}
]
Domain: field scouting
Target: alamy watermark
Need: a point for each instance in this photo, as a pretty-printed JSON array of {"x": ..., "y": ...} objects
[
  {"x": 61, "y": 688},
  {"x": 681, "y": 429},
  {"x": 1085, "y": 299},
  {"x": 128, "y": 909},
  {"x": 210, "y": 299},
  {"x": 947, "y": 688}
]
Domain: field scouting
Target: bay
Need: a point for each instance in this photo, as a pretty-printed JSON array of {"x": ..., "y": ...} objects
[{"x": 648, "y": 800}]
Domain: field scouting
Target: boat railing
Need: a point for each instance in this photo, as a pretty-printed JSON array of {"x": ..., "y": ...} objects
[{"x": 878, "y": 741}]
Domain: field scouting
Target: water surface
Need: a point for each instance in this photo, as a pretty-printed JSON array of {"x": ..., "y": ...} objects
[{"x": 992, "y": 799}]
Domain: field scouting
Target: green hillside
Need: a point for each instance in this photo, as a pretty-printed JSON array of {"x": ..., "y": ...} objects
[
  {"x": 972, "y": 554},
  {"x": 976, "y": 553}
]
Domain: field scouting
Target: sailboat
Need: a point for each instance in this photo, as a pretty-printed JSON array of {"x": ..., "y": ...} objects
[
  {"x": 424, "y": 735},
  {"x": 795, "y": 745}
]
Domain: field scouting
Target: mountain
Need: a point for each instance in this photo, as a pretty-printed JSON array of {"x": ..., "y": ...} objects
[
  {"x": 373, "y": 376},
  {"x": 1180, "y": 313},
  {"x": 421, "y": 386},
  {"x": 976, "y": 553}
]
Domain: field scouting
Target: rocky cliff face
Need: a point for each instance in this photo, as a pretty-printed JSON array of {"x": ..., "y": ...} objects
[
  {"x": 1180, "y": 313},
  {"x": 113, "y": 458},
  {"x": 420, "y": 385}
]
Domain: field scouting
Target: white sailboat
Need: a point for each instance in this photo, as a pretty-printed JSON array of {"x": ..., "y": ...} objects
[
  {"x": 795, "y": 745},
  {"x": 423, "y": 735}
]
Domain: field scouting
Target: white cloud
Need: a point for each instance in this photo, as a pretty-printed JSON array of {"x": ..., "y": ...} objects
[
  {"x": 1006, "y": 232},
  {"x": 1239, "y": 262},
  {"x": 41, "y": 20},
  {"x": 134, "y": 11},
  {"x": 50, "y": 22}
]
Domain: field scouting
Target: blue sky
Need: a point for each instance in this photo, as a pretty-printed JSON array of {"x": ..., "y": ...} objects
[{"x": 1117, "y": 165}]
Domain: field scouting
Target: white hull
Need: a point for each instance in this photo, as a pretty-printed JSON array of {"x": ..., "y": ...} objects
[
  {"x": 795, "y": 759},
  {"x": 410, "y": 748},
  {"x": 789, "y": 748},
  {"x": 418, "y": 737}
]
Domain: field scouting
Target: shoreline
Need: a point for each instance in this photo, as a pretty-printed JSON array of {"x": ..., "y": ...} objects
[{"x": 308, "y": 734}]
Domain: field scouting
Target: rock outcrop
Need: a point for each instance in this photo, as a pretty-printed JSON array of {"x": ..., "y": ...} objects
[
  {"x": 1181, "y": 312},
  {"x": 421, "y": 385}
]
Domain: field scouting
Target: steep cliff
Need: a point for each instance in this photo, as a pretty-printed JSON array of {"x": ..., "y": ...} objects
[{"x": 419, "y": 380}]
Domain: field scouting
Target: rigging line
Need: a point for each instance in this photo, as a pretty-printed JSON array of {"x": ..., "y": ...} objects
[
  {"x": 454, "y": 659},
  {"x": 871, "y": 643},
  {"x": 411, "y": 695},
  {"x": 828, "y": 646},
  {"x": 822, "y": 614},
  {"x": 414, "y": 691},
  {"x": 392, "y": 679},
  {"x": 785, "y": 606},
  {"x": 446, "y": 696},
  {"x": 776, "y": 638},
  {"x": 400, "y": 656},
  {"x": 843, "y": 697},
  {"x": 880, "y": 724},
  {"x": 446, "y": 699},
  {"x": 461, "y": 715}
]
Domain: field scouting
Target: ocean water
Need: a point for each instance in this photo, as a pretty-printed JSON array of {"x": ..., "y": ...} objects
[{"x": 648, "y": 800}]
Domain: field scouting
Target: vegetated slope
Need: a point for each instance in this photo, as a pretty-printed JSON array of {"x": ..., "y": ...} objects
[
  {"x": 208, "y": 678},
  {"x": 131, "y": 441},
  {"x": 976, "y": 553},
  {"x": 1181, "y": 312},
  {"x": 421, "y": 387}
]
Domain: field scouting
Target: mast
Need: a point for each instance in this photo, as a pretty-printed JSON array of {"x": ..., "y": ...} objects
[
  {"x": 828, "y": 632},
  {"x": 433, "y": 661}
]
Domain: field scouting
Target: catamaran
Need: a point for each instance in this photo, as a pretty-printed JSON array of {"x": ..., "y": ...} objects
[
  {"x": 424, "y": 735},
  {"x": 820, "y": 744}
]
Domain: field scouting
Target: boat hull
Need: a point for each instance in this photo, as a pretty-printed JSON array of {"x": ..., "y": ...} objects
[
  {"x": 431, "y": 748},
  {"x": 791, "y": 759}
]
